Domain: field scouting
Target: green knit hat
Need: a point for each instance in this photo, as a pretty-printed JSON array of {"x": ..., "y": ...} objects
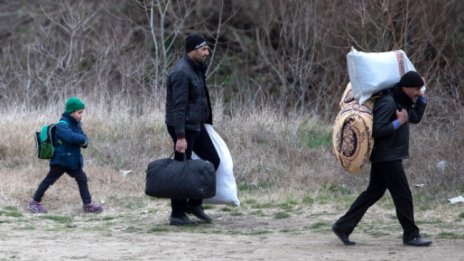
[{"x": 74, "y": 104}]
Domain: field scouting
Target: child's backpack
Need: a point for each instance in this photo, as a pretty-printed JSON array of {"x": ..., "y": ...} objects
[
  {"x": 44, "y": 140},
  {"x": 352, "y": 132}
]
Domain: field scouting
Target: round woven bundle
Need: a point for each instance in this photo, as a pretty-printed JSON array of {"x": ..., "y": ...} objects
[{"x": 352, "y": 134}]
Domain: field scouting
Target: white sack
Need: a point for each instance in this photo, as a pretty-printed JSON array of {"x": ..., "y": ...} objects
[
  {"x": 373, "y": 72},
  {"x": 226, "y": 188}
]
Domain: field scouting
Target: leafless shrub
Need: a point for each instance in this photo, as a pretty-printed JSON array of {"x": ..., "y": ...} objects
[{"x": 275, "y": 63}]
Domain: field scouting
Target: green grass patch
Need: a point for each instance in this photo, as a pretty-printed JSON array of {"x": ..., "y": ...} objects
[
  {"x": 136, "y": 203},
  {"x": 58, "y": 219},
  {"x": 133, "y": 229},
  {"x": 10, "y": 212},
  {"x": 380, "y": 229},
  {"x": 329, "y": 193},
  {"x": 322, "y": 213},
  {"x": 249, "y": 201},
  {"x": 268, "y": 184},
  {"x": 10, "y": 208},
  {"x": 289, "y": 205},
  {"x": 377, "y": 233},
  {"x": 450, "y": 235},
  {"x": 430, "y": 222},
  {"x": 386, "y": 202},
  {"x": 315, "y": 136},
  {"x": 258, "y": 212},
  {"x": 158, "y": 229},
  {"x": 285, "y": 206},
  {"x": 308, "y": 200},
  {"x": 257, "y": 232},
  {"x": 424, "y": 201},
  {"x": 320, "y": 226},
  {"x": 236, "y": 213},
  {"x": 208, "y": 206},
  {"x": 108, "y": 218},
  {"x": 290, "y": 231},
  {"x": 325, "y": 199},
  {"x": 26, "y": 227},
  {"x": 263, "y": 205},
  {"x": 281, "y": 215},
  {"x": 245, "y": 187},
  {"x": 102, "y": 218},
  {"x": 201, "y": 227}
]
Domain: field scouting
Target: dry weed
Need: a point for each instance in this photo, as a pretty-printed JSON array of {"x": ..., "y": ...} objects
[{"x": 269, "y": 149}]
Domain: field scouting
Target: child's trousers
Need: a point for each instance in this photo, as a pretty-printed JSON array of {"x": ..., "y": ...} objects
[{"x": 55, "y": 173}]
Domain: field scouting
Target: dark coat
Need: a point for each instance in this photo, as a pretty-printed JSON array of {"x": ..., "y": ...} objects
[
  {"x": 187, "y": 99},
  {"x": 391, "y": 144},
  {"x": 68, "y": 139}
]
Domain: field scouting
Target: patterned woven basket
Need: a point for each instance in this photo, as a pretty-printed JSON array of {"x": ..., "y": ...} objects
[{"x": 352, "y": 132}]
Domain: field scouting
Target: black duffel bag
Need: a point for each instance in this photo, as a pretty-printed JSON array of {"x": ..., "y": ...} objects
[{"x": 188, "y": 179}]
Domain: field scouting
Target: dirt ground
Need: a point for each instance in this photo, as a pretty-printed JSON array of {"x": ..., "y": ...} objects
[
  {"x": 146, "y": 235},
  {"x": 20, "y": 245}
]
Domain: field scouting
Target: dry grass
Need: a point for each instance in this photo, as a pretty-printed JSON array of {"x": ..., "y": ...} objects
[
  {"x": 286, "y": 186},
  {"x": 270, "y": 151}
]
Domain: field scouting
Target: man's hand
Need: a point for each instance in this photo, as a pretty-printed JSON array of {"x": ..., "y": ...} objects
[
  {"x": 402, "y": 116},
  {"x": 423, "y": 88},
  {"x": 181, "y": 145}
]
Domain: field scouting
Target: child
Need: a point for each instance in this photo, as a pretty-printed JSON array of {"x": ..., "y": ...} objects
[{"x": 68, "y": 140}]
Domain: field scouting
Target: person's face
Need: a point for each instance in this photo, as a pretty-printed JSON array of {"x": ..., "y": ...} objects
[
  {"x": 200, "y": 55},
  {"x": 412, "y": 92},
  {"x": 78, "y": 115}
]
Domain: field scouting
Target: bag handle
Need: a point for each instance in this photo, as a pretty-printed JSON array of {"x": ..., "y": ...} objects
[
  {"x": 170, "y": 157},
  {"x": 184, "y": 156},
  {"x": 172, "y": 154}
]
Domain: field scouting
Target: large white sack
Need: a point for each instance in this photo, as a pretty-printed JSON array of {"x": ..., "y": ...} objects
[
  {"x": 373, "y": 72},
  {"x": 226, "y": 188}
]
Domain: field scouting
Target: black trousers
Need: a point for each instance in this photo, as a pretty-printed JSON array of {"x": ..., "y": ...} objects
[
  {"x": 384, "y": 175},
  {"x": 201, "y": 144},
  {"x": 55, "y": 173}
]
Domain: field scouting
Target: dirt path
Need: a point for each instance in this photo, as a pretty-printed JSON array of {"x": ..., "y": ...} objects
[
  {"x": 229, "y": 238},
  {"x": 22, "y": 245}
]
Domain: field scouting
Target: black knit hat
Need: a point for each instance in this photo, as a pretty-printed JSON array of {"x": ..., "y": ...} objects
[
  {"x": 194, "y": 42},
  {"x": 411, "y": 79}
]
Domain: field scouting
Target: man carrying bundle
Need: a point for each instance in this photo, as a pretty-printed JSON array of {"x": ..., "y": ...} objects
[{"x": 393, "y": 111}]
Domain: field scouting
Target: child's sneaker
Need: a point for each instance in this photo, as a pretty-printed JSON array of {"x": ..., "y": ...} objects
[
  {"x": 36, "y": 207},
  {"x": 93, "y": 208}
]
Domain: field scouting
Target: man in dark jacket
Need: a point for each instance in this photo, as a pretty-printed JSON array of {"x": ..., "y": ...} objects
[
  {"x": 393, "y": 111},
  {"x": 188, "y": 107}
]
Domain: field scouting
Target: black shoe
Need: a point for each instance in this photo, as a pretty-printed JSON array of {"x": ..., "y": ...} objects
[
  {"x": 199, "y": 213},
  {"x": 181, "y": 221},
  {"x": 418, "y": 241},
  {"x": 342, "y": 236}
]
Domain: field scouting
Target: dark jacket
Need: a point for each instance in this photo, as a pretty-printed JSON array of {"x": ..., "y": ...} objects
[
  {"x": 68, "y": 139},
  {"x": 187, "y": 99},
  {"x": 391, "y": 144}
]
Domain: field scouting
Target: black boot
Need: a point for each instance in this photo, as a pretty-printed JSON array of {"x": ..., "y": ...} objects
[
  {"x": 342, "y": 236},
  {"x": 198, "y": 212},
  {"x": 418, "y": 241},
  {"x": 181, "y": 220}
]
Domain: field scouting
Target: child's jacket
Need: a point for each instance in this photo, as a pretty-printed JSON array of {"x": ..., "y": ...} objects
[{"x": 68, "y": 140}]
